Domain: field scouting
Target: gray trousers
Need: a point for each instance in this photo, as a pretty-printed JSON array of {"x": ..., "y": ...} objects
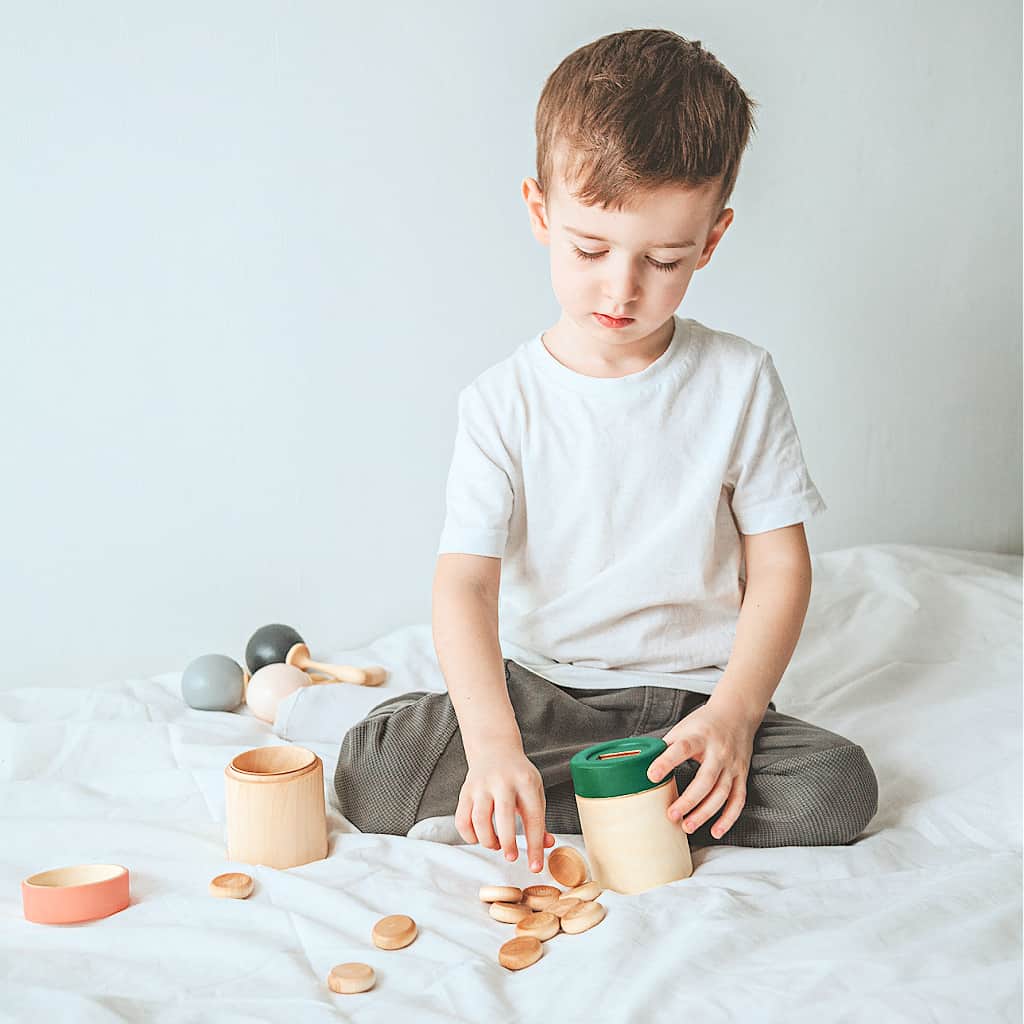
[{"x": 405, "y": 762}]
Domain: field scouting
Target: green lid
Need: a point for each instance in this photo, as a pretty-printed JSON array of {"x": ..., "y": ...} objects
[{"x": 615, "y": 768}]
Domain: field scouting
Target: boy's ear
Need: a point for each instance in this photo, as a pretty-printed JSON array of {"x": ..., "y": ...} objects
[
  {"x": 534, "y": 199},
  {"x": 714, "y": 237}
]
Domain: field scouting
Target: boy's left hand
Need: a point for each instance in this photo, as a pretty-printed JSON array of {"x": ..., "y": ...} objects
[{"x": 722, "y": 740}]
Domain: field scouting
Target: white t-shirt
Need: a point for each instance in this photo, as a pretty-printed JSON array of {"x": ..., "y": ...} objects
[{"x": 616, "y": 504}]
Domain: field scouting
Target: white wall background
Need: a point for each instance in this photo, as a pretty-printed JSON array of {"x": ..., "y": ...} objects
[{"x": 251, "y": 251}]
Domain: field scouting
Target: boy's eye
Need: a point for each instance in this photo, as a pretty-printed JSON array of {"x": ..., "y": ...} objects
[{"x": 584, "y": 255}]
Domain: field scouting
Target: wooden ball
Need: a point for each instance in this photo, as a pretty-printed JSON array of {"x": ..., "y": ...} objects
[
  {"x": 567, "y": 866},
  {"x": 587, "y": 891},
  {"x": 585, "y": 916},
  {"x": 500, "y": 893},
  {"x": 562, "y": 907},
  {"x": 347, "y": 979},
  {"x": 520, "y": 952},
  {"x": 270, "y": 685},
  {"x": 510, "y": 913},
  {"x": 270, "y": 645},
  {"x": 213, "y": 682},
  {"x": 394, "y": 932},
  {"x": 235, "y": 885},
  {"x": 543, "y": 926},
  {"x": 537, "y": 897}
]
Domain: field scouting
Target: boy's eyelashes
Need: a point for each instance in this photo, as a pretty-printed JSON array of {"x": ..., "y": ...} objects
[{"x": 584, "y": 255}]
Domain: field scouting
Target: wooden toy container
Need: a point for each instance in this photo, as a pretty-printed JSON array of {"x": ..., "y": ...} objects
[
  {"x": 275, "y": 807},
  {"x": 631, "y": 843}
]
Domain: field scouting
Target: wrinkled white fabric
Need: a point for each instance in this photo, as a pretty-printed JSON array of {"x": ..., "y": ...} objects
[{"x": 914, "y": 652}]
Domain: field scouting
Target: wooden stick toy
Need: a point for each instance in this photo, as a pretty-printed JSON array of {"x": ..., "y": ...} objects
[{"x": 280, "y": 644}]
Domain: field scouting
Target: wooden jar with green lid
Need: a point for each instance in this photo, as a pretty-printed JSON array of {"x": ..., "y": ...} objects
[{"x": 631, "y": 843}]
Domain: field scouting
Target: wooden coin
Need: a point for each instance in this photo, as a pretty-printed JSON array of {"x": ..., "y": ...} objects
[
  {"x": 520, "y": 952},
  {"x": 537, "y": 897},
  {"x": 500, "y": 893},
  {"x": 234, "y": 885},
  {"x": 543, "y": 926},
  {"x": 349, "y": 978},
  {"x": 587, "y": 891},
  {"x": 567, "y": 866},
  {"x": 562, "y": 907},
  {"x": 394, "y": 932},
  {"x": 585, "y": 916},
  {"x": 509, "y": 913}
]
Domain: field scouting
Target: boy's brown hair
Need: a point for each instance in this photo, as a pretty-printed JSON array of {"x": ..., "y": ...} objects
[{"x": 638, "y": 109}]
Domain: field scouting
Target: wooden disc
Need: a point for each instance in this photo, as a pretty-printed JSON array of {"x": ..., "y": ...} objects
[
  {"x": 587, "y": 891},
  {"x": 537, "y": 897},
  {"x": 543, "y": 926},
  {"x": 234, "y": 885},
  {"x": 585, "y": 916},
  {"x": 394, "y": 932},
  {"x": 567, "y": 866},
  {"x": 520, "y": 952},
  {"x": 349, "y": 978},
  {"x": 562, "y": 907},
  {"x": 510, "y": 913},
  {"x": 500, "y": 893}
]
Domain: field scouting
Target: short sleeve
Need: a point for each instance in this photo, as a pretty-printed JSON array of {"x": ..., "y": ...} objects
[
  {"x": 479, "y": 491},
  {"x": 771, "y": 484}
]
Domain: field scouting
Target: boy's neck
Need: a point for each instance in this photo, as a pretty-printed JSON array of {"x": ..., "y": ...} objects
[{"x": 583, "y": 351}]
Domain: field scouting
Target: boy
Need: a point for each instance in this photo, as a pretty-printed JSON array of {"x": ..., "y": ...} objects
[{"x": 635, "y": 483}]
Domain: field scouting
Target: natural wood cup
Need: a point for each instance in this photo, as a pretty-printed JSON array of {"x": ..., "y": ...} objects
[{"x": 275, "y": 809}]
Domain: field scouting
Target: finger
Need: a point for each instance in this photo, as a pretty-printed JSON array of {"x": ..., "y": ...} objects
[
  {"x": 709, "y": 805},
  {"x": 673, "y": 755},
  {"x": 549, "y": 839},
  {"x": 463, "y": 820},
  {"x": 731, "y": 811},
  {"x": 505, "y": 819},
  {"x": 532, "y": 813},
  {"x": 700, "y": 785},
  {"x": 482, "y": 809}
]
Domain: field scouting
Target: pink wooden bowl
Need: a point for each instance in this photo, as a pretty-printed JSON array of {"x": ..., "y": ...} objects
[{"x": 82, "y": 892}]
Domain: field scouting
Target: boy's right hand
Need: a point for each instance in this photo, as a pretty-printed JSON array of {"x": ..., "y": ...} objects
[{"x": 499, "y": 785}]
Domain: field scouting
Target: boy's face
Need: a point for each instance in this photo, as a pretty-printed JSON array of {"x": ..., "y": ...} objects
[{"x": 632, "y": 273}]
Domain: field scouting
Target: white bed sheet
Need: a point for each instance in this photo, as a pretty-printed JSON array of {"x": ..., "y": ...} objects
[{"x": 913, "y": 652}]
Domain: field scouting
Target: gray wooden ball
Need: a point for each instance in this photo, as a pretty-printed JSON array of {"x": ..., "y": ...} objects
[
  {"x": 270, "y": 645},
  {"x": 213, "y": 682}
]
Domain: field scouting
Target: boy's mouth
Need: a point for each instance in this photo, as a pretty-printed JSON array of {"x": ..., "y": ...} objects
[{"x": 611, "y": 321}]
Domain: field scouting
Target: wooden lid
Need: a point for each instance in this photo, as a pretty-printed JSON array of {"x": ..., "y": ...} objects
[
  {"x": 394, "y": 932},
  {"x": 585, "y": 916},
  {"x": 587, "y": 891},
  {"x": 539, "y": 896},
  {"x": 500, "y": 893},
  {"x": 562, "y": 907},
  {"x": 509, "y": 913},
  {"x": 520, "y": 952},
  {"x": 234, "y": 885},
  {"x": 541, "y": 926},
  {"x": 352, "y": 977},
  {"x": 567, "y": 866}
]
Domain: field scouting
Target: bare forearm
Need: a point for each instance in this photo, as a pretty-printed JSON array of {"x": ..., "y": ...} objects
[
  {"x": 771, "y": 617},
  {"x": 465, "y": 628}
]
